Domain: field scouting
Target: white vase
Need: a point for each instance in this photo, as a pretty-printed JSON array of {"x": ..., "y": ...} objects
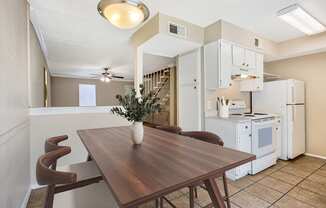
[
  {"x": 224, "y": 111},
  {"x": 137, "y": 132}
]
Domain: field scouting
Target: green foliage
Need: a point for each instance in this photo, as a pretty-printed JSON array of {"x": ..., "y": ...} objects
[{"x": 137, "y": 109}]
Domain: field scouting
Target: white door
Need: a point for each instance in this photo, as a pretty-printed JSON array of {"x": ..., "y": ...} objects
[
  {"x": 296, "y": 131},
  {"x": 189, "y": 91}
]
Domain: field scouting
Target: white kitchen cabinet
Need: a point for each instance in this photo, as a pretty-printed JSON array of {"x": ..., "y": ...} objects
[
  {"x": 258, "y": 83},
  {"x": 218, "y": 64},
  {"x": 244, "y": 60},
  {"x": 250, "y": 59},
  {"x": 223, "y": 59},
  {"x": 236, "y": 135},
  {"x": 244, "y": 144},
  {"x": 238, "y": 56}
]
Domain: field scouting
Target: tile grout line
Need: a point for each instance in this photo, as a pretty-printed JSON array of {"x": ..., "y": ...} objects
[
  {"x": 256, "y": 182},
  {"x": 305, "y": 178}
]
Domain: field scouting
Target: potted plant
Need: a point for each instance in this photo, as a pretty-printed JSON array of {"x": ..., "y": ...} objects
[{"x": 136, "y": 109}]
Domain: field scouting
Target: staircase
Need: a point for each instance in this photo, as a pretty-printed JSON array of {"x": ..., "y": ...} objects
[{"x": 162, "y": 84}]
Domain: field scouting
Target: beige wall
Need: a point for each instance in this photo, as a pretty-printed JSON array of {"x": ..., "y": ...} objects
[
  {"x": 14, "y": 129},
  {"x": 195, "y": 33},
  {"x": 65, "y": 91},
  {"x": 36, "y": 72},
  {"x": 312, "y": 70},
  {"x": 232, "y": 93},
  {"x": 159, "y": 25},
  {"x": 230, "y": 32}
]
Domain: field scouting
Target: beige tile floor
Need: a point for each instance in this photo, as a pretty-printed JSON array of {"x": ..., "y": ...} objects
[{"x": 300, "y": 183}]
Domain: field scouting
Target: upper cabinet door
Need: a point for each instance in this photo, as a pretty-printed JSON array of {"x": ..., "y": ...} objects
[
  {"x": 250, "y": 59},
  {"x": 238, "y": 56},
  {"x": 211, "y": 65},
  {"x": 225, "y": 66},
  {"x": 218, "y": 64}
]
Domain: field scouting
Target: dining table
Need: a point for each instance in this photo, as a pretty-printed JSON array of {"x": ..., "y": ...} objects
[{"x": 163, "y": 163}]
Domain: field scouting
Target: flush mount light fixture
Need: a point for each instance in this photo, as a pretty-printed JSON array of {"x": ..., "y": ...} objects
[
  {"x": 124, "y": 14},
  {"x": 300, "y": 19}
]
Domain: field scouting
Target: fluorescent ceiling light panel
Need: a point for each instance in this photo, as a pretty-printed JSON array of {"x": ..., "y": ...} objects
[{"x": 300, "y": 19}]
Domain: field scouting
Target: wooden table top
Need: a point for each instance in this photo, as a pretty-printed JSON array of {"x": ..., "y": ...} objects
[{"x": 165, "y": 162}]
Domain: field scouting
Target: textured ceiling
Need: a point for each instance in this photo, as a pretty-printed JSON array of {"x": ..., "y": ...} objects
[{"x": 79, "y": 41}]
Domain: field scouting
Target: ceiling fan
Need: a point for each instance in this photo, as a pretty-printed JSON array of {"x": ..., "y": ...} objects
[{"x": 107, "y": 76}]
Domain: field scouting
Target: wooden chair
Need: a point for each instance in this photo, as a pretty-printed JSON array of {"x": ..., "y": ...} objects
[
  {"x": 171, "y": 129},
  {"x": 87, "y": 172},
  {"x": 213, "y": 139},
  {"x": 96, "y": 195}
]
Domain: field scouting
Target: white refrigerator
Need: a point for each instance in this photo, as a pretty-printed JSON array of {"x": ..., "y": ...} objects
[{"x": 287, "y": 99}]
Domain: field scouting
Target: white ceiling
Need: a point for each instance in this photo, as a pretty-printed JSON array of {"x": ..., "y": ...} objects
[{"x": 79, "y": 41}]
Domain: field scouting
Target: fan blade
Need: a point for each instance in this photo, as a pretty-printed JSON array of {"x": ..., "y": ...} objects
[{"x": 118, "y": 77}]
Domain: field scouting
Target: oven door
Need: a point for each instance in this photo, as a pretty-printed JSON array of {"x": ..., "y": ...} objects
[{"x": 263, "y": 136}]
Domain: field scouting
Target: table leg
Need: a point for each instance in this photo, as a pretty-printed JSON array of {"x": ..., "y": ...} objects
[{"x": 214, "y": 193}]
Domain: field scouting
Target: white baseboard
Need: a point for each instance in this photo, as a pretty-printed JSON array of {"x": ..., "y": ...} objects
[
  {"x": 26, "y": 198},
  {"x": 318, "y": 156}
]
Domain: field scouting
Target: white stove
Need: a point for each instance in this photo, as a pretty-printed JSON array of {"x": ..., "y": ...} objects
[{"x": 254, "y": 133}]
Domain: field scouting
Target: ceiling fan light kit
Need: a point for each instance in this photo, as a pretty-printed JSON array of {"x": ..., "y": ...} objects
[
  {"x": 107, "y": 76},
  {"x": 124, "y": 14}
]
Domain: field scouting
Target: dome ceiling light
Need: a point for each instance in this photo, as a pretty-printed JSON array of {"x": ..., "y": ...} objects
[{"x": 124, "y": 14}]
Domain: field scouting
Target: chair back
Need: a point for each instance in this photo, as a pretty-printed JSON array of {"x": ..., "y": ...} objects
[
  {"x": 204, "y": 136},
  {"x": 50, "y": 177},
  {"x": 171, "y": 129},
  {"x": 51, "y": 144},
  {"x": 47, "y": 176}
]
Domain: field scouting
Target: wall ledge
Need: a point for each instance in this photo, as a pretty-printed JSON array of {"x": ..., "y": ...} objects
[{"x": 69, "y": 110}]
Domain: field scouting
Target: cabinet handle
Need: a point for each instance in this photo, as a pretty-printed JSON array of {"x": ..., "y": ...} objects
[
  {"x": 250, "y": 135},
  {"x": 247, "y": 65},
  {"x": 246, "y": 127},
  {"x": 195, "y": 80},
  {"x": 230, "y": 84},
  {"x": 243, "y": 64}
]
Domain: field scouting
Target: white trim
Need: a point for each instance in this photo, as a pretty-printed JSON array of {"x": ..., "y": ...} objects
[
  {"x": 26, "y": 198},
  {"x": 317, "y": 156},
  {"x": 69, "y": 110}
]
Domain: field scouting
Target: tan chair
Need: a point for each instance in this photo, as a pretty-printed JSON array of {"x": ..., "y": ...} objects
[
  {"x": 213, "y": 139},
  {"x": 87, "y": 172},
  {"x": 95, "y": 195}
]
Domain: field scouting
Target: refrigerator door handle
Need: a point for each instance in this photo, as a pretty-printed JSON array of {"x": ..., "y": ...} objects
[{"x": 293, "y": 113}]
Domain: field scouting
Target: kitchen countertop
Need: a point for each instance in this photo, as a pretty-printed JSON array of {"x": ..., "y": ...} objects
[{"x": 236, "y": 119}]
